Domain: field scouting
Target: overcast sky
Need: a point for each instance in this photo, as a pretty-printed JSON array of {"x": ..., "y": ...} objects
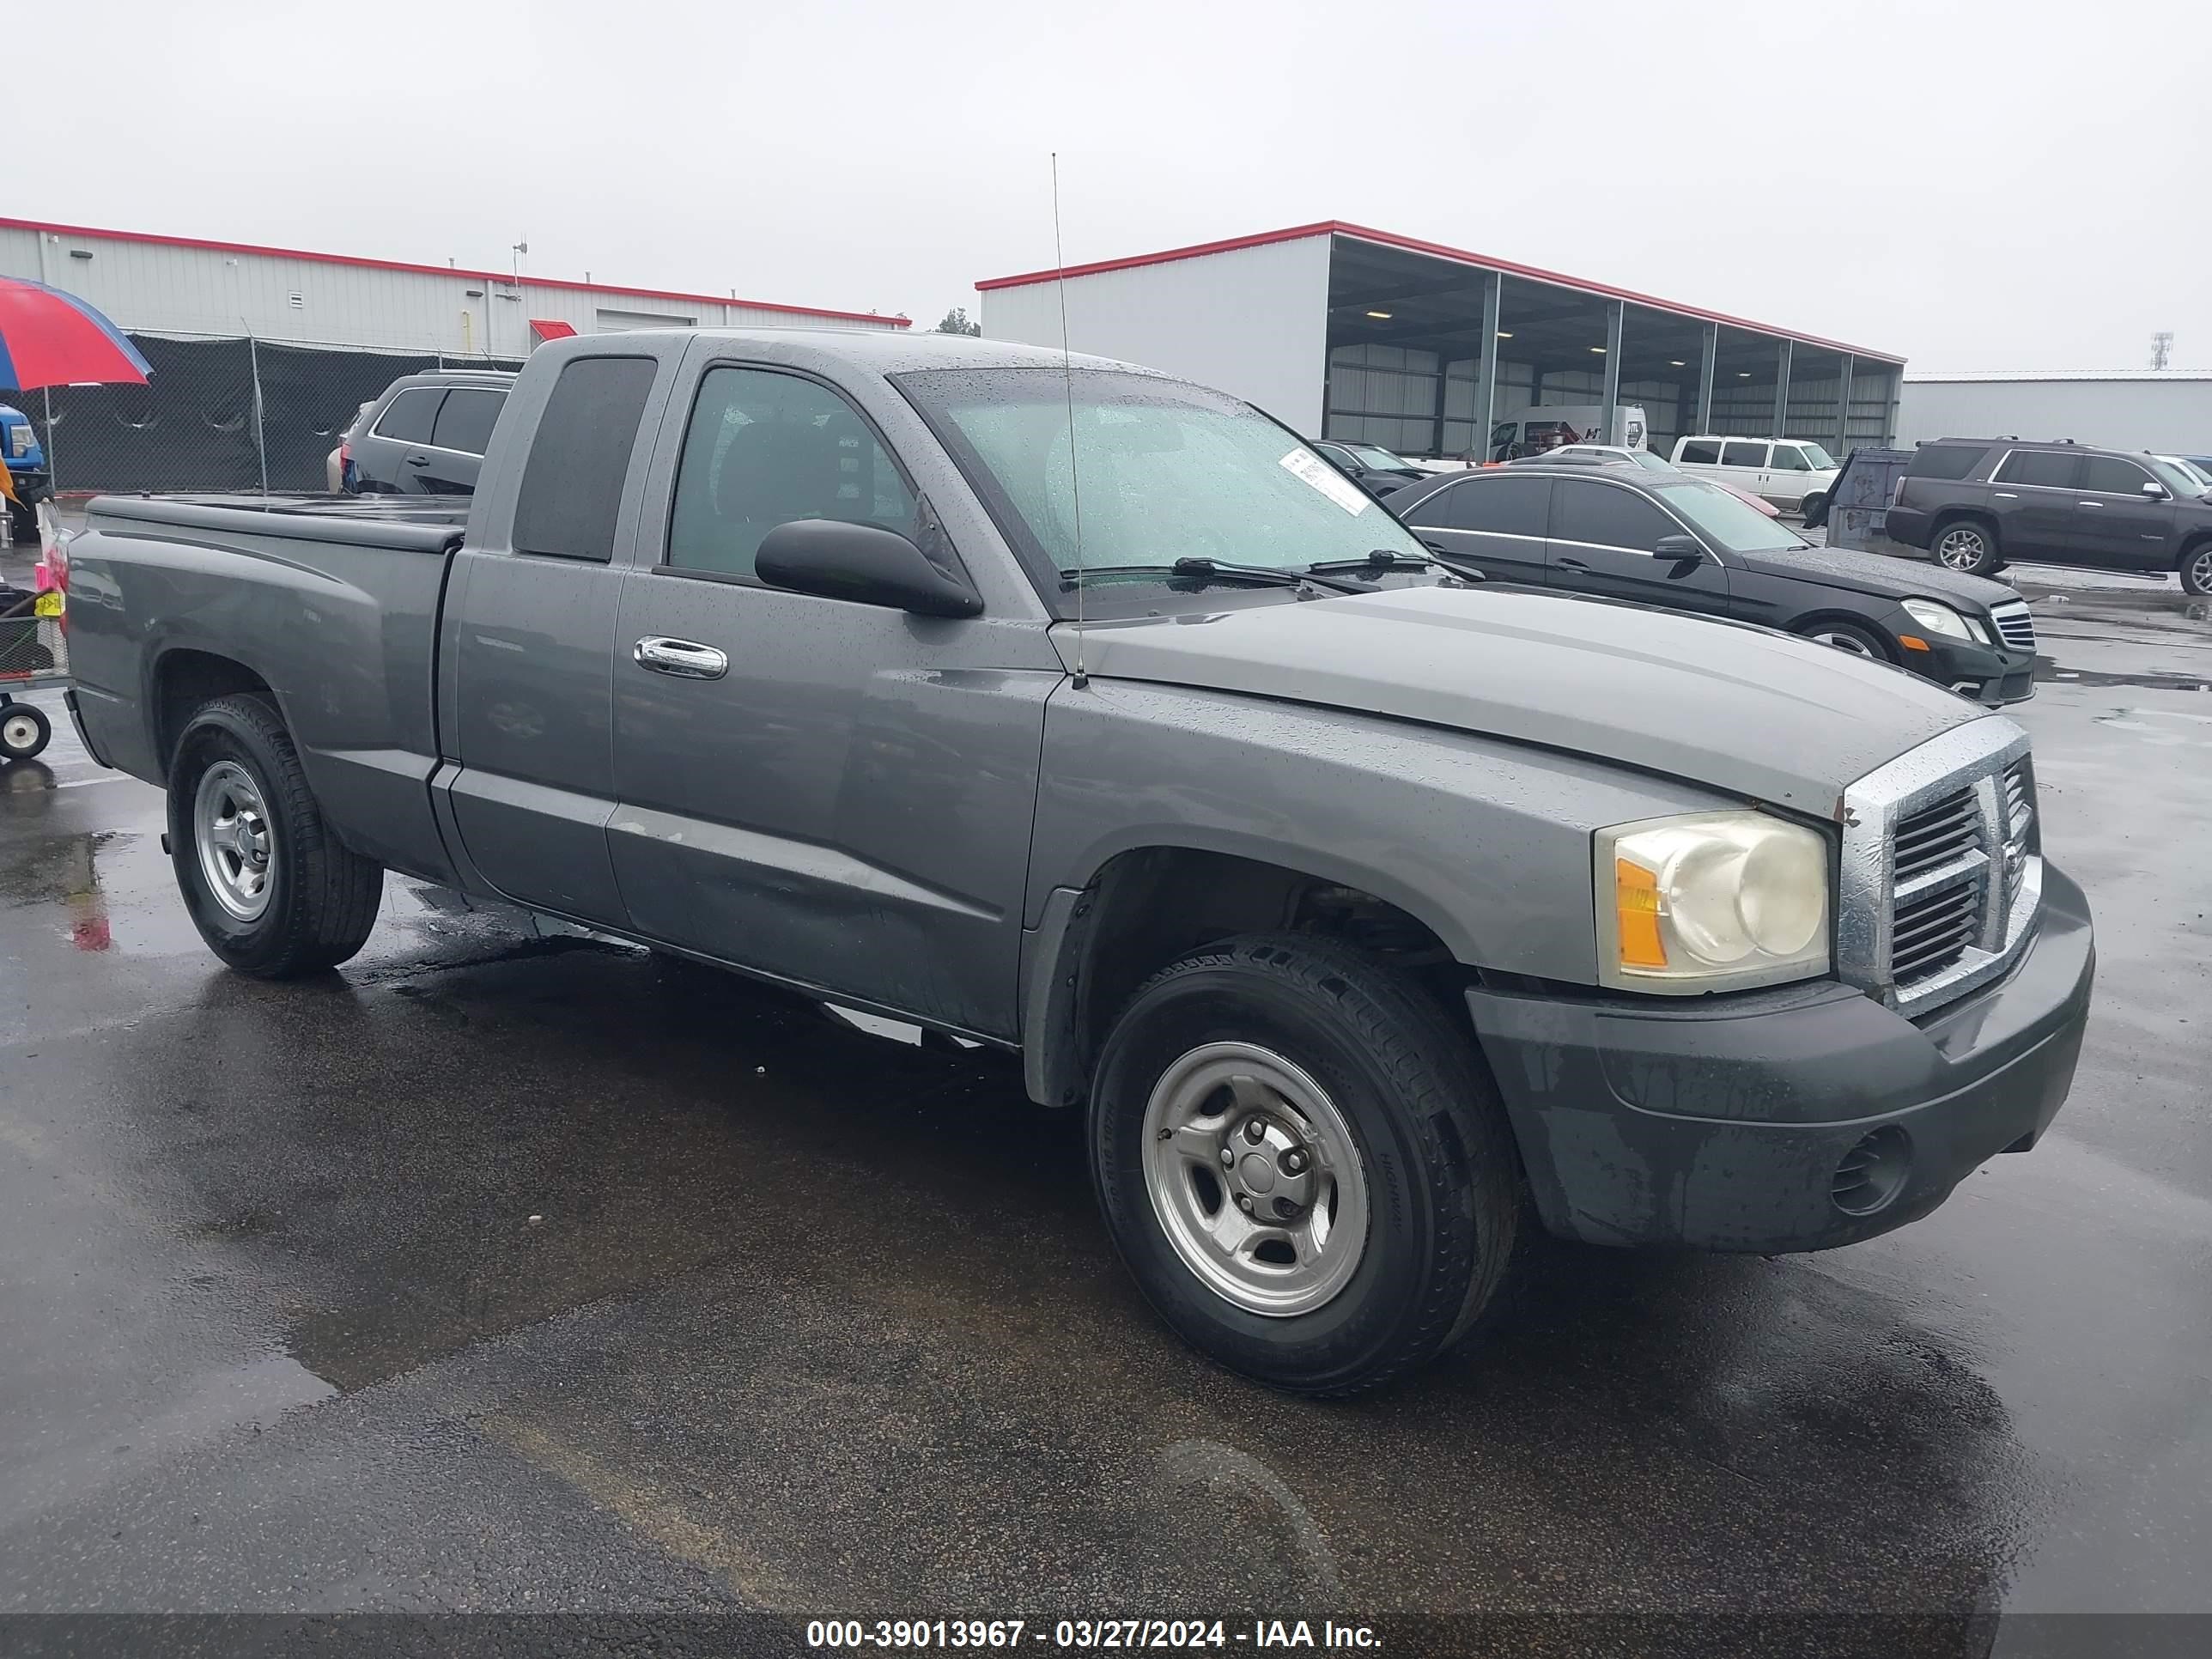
[{"x": 1975, "y": 184}]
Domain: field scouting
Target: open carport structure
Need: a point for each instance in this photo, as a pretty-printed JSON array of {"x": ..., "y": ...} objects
[{"x": 1354, "y": 333}]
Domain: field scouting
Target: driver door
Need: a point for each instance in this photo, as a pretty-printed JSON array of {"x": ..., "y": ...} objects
[
  {"x": 832, "y": 794},
  {"x": 1601, "y": 539}
]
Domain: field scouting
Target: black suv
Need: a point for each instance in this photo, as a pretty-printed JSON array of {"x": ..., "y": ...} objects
[
  {"x": 1688, "y": 544},
  {"x": 1977, "y": 502},
  {"x": 426, "y": 435}
]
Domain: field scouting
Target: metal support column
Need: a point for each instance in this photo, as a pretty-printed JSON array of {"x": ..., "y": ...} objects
[
  {"x": 1486, "y": 382},
  {"x": 1782, "y": 393},
  {"x": 1706, "y": 368},
  {"x": 1437, "y": 421},
  {"x": 1844, "y": 412},
  {"x": 1615, "y": 316}
]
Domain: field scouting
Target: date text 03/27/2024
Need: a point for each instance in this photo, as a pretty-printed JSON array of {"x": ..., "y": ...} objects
[{"x": 1088, "y": 1633}]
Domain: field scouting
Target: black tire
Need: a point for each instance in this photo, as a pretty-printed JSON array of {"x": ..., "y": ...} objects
[
  {"x": 1443, "y": 1190},
  {"x": 2196, "y": 568},
  {"x": 24, "y": 731},
  {"x": 1968, "y": 546},
  {"x": 322, "y": 897},
  {"x": 1847, "y": 636},
  {"x": 23, "y": 523},
  {"x": 1814, "y": 508}
]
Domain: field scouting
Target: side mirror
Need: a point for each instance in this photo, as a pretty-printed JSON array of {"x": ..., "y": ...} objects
[
  {"x": 1683, "y": 552},
  {"x": 864, "y": 563},
  {"x": 2157, "y": 492}
]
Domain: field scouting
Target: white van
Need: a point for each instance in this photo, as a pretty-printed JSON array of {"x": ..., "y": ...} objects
[
  {"x": 1531, "y": 431},
  {"x": 1795, "y": 474}
]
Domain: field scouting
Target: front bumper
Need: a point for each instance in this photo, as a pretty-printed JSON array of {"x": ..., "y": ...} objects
[
  {"x": 1721, "y": 1125},
  {"x": 32, "y": 483},
  {"x": 1988, "y": 674}
]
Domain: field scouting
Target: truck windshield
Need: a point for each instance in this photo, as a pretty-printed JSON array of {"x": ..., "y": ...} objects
[
  {"x": 1727, "y": 520},
  {"x": 1822, "y": 461},
  {"x": 1161, "y": 470}
]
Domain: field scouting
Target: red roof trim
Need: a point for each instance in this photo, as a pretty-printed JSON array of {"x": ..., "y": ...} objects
[
  {"x": 1438, "y": 250},
  {"x": 562, "y": 282}
]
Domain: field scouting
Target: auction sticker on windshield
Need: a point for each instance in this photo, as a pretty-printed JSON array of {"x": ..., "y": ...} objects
[{"x": 1327, "y": 480}]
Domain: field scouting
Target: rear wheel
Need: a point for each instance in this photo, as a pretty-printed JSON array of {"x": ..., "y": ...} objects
[
  {"x": 1304, "y": 1164},
  {"x": 273, "y": 892},
  {"x": 1847, "y": 636},
  {"x": 1813, "y": 508},
  {"x": 2197, "y": 571},
  {"x": 1967, "y": 546},
  {"x": 24, "y": 731}
]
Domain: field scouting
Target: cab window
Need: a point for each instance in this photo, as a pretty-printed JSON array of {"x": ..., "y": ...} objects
[
  {"x": 1604, "y": 515},
  {"x": 1788, "y": 458},
  {"x": 1741, "y": 455},
  {"x": 764, "y": 448},
  {"x": 1701, "y": 451}
]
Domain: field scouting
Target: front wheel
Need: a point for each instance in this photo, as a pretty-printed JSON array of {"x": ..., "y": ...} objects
[
  {"x": 1849, "y": 637},
  {"x": 273, "y": 892},
  {"x": 1969, "y": 549},
  {"x": 2197, "y": 571},
  {"x": 1814, "y": 509},
  {"x": 1306, "y": 1168}
]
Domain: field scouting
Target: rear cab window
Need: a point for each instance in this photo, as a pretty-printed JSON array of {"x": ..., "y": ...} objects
[
  {"x": 408, "y": 418},
  {"x": 580, "y": 457}
]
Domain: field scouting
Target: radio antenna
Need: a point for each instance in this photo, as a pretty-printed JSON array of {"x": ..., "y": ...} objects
[{"x": 1067, "y": 378}]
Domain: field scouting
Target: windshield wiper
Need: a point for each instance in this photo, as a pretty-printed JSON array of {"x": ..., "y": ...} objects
[
  {"x": 1383, "y": 558},
  {"x": 1266, "y": 575}
]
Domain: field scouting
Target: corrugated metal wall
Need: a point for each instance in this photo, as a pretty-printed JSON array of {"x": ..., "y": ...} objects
[
  {"x": 1252, "y": 321},
  {"x": 162, "y": 286},
  {"x": 2170, "y": 417}
]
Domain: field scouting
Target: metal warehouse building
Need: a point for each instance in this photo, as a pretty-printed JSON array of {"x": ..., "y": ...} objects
[
  {"x": 2167, "y": 411},
  {"x": 185, "y": 285},
  {"x": 1347, "y": 332}
]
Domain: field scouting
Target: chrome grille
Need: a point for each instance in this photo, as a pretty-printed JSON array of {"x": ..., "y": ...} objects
[
  {"x": 1937, "y": 835},
  {"x": 2015, "y": 622},
  {"x": 1941, "y": 877}
]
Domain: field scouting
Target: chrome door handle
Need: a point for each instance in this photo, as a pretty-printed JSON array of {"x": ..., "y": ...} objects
[
  {"x": 2006, "y": 494},
  {"x": 681, "y": 657},
  {"x": 2098, "y": 504}
]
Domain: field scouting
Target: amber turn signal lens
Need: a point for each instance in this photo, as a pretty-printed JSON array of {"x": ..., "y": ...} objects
[
  {"x": 1912, "y": 641},
  {"x": 1636, "y": 900}
]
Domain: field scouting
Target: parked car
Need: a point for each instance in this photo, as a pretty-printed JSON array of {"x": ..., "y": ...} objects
[
  {"x": 1687, "y": 545},
  {"x": 2199, "y": 476},
  {"x": 1376, "y": 917},
  {"x": 1611, "y": 455},
  {"x": 1370, "y": 466},
  {"x": 426, "y": 435},
  {"x": 1795, "y": 474},
  {"x": 1540, "y": 427},
  {"x": 26, "y": 469},
  {"x": 1978, "y": 502},
  {"x": 334, "y": 464}
]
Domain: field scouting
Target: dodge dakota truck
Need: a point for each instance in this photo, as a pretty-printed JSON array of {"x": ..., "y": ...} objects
[{"x": 1379, "y": 922}]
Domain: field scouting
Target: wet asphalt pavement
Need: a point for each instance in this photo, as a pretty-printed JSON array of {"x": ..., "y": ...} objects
[{"x": 507, "y": 1272}]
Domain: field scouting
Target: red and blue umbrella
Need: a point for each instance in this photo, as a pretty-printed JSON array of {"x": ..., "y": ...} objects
[{"x": 48, "y": 337}]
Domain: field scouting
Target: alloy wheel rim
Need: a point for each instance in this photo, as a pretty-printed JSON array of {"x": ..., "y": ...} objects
[
  {"x": 232, "y": 834},
  {"x": 1960, "y": 548},
  {"x": 2200, "y": 571},
  {"x": 1849, "y": 642},
  {"x": 1255, "y": 1179}
]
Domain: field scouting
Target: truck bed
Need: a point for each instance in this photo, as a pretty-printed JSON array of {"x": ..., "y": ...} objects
[{"x": 332, "y": 602}]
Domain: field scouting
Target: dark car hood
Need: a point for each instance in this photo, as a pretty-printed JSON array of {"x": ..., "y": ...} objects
[
  {"x": 1877, "y": 574},
  {"x": 1739, "y": 709}
]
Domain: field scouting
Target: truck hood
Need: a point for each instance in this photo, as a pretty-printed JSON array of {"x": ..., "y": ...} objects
[{"x": 1737, "y": 708}]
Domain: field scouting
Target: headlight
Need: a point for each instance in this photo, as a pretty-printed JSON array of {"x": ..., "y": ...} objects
[
  {"x": 1710, "y": 902},
  {"x": 1939, "y": 619}
]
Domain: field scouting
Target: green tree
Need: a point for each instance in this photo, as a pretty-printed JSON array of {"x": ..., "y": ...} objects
[{"x": 956, "y": 322}]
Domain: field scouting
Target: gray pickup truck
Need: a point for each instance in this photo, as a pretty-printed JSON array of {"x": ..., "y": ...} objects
[{"x": 1379, "y": 921}]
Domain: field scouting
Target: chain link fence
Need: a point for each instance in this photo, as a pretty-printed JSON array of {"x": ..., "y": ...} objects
[{"x": 229, "y": 414}]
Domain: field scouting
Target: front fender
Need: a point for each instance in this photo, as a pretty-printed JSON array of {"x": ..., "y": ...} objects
[{"x": 1485, "y": 841}]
